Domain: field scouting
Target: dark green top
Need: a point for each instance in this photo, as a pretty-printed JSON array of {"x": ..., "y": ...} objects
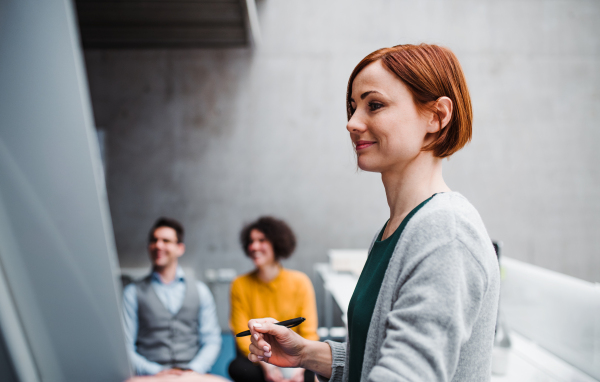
[{"x": 365, "y": 294}]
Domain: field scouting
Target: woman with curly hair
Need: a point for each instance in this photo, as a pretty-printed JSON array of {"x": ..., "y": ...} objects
[{"x": 270, "y": 291}]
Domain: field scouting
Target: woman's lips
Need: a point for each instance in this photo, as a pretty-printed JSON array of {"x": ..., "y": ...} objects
[{"x": 360, "y": 145}]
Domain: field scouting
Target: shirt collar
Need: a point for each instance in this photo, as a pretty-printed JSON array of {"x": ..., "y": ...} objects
[{"x": 179, "y": 275}]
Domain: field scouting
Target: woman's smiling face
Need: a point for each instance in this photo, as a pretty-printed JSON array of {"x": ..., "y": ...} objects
[
  {"x": 260, "y": 249},
  {"x": 387, "y": 129}
]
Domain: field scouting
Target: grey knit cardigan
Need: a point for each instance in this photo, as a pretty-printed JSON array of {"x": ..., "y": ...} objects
[{"x": 436, "y": 310}]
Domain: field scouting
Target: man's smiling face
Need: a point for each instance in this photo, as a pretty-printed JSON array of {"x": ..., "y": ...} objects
[{"x": 164, "y": 247}]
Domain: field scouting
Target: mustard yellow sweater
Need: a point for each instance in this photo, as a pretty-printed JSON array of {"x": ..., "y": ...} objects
[{"x": 288, "y": 295}]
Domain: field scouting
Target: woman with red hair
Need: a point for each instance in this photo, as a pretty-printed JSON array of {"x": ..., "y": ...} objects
[{"x": 424, "y": 308}]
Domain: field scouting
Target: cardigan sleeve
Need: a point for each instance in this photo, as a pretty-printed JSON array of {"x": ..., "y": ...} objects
[
  {"x": 308, "y": 310},
  {"x": 338, "y": 361}
]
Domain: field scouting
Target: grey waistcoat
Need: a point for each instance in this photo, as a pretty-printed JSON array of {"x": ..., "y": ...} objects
[{"x": 171, "y": 340}]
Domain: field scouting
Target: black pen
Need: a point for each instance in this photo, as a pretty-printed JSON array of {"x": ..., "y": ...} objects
[{"x": 287, "y": 323}]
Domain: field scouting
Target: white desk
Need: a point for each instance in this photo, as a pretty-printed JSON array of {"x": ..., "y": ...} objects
[
  {"x": 527, "y": 361},
  {"x": 338, "y": 287},
  {"x": 558, "y": 312}
]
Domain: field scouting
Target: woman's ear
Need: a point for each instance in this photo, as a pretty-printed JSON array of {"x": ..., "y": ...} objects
[{"x": 442, "y": 113}]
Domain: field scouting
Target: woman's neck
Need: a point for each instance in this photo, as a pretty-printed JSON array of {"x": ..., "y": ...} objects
[
  {"x": 268, "y": 272},
  {"x": 408, "y": 186}
]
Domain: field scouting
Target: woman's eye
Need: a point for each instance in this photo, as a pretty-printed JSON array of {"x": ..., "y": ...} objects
[{"x": 375, "y": 105}]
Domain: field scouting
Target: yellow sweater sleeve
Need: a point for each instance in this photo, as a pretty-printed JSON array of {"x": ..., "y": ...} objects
[
  {"x": 240, "y": 314},
  {"x": 308, "y": 329}
]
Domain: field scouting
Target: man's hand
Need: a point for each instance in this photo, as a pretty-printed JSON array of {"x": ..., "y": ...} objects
[
  {"x": 186, "y": 376},
  {"x": 272, "y": 373},
  {"x": 298, "y": 375},
  {"x": 171, "y": 372}
]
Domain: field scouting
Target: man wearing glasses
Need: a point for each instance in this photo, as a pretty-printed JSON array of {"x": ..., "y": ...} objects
[{"x": 171, "y": 324}]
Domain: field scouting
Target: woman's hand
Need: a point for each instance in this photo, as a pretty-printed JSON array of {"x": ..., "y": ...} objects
[
  {"x": 283, "y": 347},
  {"x": 275, "y": 344}
]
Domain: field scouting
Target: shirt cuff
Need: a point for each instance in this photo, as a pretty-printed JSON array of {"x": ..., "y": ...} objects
[{"x": 200, "y": 369}]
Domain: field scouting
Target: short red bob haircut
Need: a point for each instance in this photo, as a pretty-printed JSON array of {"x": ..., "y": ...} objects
[{"x": 429, "y": 72}]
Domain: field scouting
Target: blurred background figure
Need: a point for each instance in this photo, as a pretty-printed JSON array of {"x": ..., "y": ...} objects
[
  {"x": 270, "y": 290},
  {"x": 170, "y": 319}
]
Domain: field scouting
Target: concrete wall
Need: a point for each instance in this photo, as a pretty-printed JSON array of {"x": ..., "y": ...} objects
[{"x": 216, "y": 138}]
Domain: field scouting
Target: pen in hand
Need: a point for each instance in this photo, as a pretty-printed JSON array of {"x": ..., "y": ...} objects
[{"x": 287, "y": 323}]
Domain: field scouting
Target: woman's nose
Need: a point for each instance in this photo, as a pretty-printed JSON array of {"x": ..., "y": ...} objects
[{"x": 355, "y": 125}]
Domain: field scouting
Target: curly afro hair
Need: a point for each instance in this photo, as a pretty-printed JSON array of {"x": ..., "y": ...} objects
[{"x": 278, "y": 233}]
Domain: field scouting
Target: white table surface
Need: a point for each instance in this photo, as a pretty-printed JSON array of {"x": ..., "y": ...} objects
[
  {"x": 340, "y": 285},
  {"x": 529, "y": 362}
]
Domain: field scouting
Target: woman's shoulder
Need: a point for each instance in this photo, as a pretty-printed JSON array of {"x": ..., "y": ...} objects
[
  {"x": 449, "y": 219},
  {"x": 294, "y": 276},
  {"x": 245, "y": 279},
  {"x": 448, "y": 216}
]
